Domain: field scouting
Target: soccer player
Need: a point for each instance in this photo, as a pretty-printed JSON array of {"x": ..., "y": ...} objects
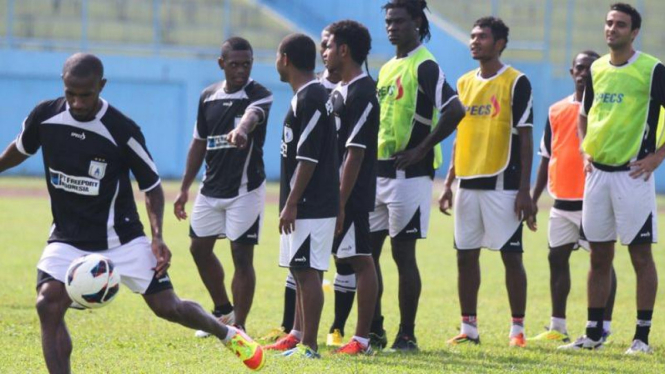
[
  {"x": 418, "y": 110},
  {"x": 492, "y": 160},
  {"x": 309, "y": 190},
  {"x": 562, "y": 171},
  {"x": 618, "y": 121},
  {"x": 356, "y": 110},
  {"x": 88, "y": 149},
  {"x": 344, "y": 283},
  {"x": 345, "y": 279},
  {"x": 229, "y": 134}
]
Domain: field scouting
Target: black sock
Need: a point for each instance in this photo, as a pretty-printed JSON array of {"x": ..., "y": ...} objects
[
  {"x": 643, "y": 325},
  {"x": 377, "y": 326},
  {"x": 594, "y": 325},
  {"x": 289, "y": 308},
  {"x": 407, "y": 329},
  {"x": 220, "y": 310},
  {"x": 345, "y": 293}
]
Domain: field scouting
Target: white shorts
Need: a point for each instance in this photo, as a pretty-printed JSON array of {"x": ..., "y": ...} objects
[
  {"x": 134, "y": 262},
  {"x": 564, "y": 228},
  {"x": 487, "y": 219},
  {"x": 402, "y": 207},
  {"x": 239, "y": 218},
  {"x": 309, "y": 246},
  {"x": 615, "y": 203}
]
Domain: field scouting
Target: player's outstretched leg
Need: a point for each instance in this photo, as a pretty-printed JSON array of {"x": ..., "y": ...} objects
[
  {"x": 52, "y": 304},
  {"x": 244, "y": 281},
  {"x": 212, "y": 275},
  {"x": 404, "y": 254},
  {"x": 167, "y": 305}
]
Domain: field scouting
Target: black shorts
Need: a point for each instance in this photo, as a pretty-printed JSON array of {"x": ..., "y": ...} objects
[{"x": 354, "y": 239}]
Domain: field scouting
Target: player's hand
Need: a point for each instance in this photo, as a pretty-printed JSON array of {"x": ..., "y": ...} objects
[
  {"x": 179, "y": 205},
  {"x": 523, "y": 205},
  {"x": 163, "y": 256},
  {"x": 404, "y": 159},
  {"x": 237, "y": 137},
  {"x": 531, "y": 221},
  {"x": 339, "y": 226},
  {"x": 446, "y": 200},
  {"x": 646, "y": 166},
  {"x": 287, "y": 219}
]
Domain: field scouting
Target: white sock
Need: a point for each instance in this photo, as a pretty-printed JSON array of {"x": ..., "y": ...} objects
[
  {"x": 345, "y": 283},
  {"x": 558, "y": 324},
  {"x": 296, "y": 333},
  {"x": 363, "y": 341},
  {"x": 607, "y": 326},
  {"x": 469, "y": 330},
  {"x": 516, "y": 329},
  {"x": 231, "y": 332}
]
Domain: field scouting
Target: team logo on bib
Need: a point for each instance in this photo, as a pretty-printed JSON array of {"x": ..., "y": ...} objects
[{"x": 97, "y": 169}]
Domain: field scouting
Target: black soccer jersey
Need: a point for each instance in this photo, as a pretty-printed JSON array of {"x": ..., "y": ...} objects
[
  {"x": 87, "y": 168},
  {"x": 356, "y": 110},
  {"x": 309, "y": 135},
  {"x": 229, "y": 171}
]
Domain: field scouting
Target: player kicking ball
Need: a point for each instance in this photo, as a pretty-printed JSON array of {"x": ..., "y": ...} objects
[{"x": 89, "y": 148}]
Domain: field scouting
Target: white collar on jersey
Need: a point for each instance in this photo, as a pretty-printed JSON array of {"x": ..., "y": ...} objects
[
  {"x": 343, "y": 89},
  {"x": 294, "y": 99},
  {"x": 498, "y": 73},
  {"x": 221, "y": 93}
]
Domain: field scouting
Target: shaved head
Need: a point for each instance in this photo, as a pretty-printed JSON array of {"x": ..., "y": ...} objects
[{"x": 83, "y": 65}]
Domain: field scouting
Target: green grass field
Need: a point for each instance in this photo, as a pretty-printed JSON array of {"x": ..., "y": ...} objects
[{"x": 126, "y": 338}]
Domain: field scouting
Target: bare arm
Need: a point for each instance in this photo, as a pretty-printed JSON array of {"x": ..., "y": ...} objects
[
  {"x": 446, "y": 198},
  {"x": 195, "y": 156},
  {"x": 541, "y": 179},
  {"x": 450, "y": 117},
  {"x": 154, "y": 203},
  {"x": 303, "y": 174},
  {"x": 523, "y": 202},
  {"x": 11, "y": 157},
  {"x": 350, "y": 171}
]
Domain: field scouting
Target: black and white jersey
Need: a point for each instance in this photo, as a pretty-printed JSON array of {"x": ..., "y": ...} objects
[
  {"x": 229, "y": 171},
  {"x": 356, "y": 110},
  {"x": 87, "y": 167},
  {"x": 323, "y": 79},
  {"x": 309, "y": 135}
]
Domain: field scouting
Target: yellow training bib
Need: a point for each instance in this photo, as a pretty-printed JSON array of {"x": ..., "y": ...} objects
[{"x": 484, "y": 135}]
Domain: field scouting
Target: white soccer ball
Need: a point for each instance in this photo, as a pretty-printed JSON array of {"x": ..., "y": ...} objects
[{"x": 92, "y": 281}]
